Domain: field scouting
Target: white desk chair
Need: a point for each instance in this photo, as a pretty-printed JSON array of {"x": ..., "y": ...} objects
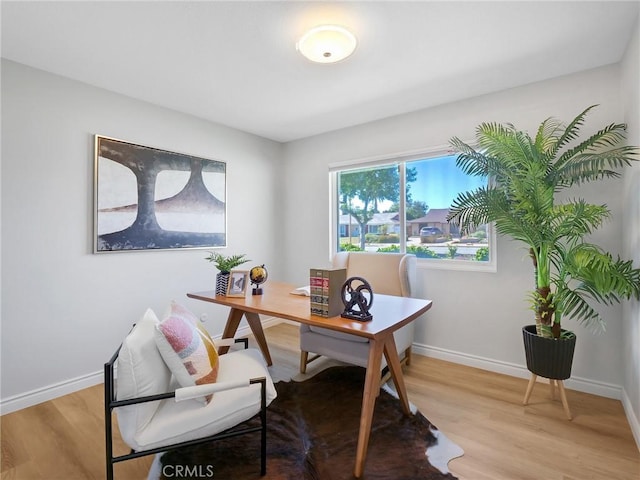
[{"x": 388, "y": 274}]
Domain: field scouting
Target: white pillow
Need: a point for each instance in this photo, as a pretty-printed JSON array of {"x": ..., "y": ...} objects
[{"x": 140, "y": 371}]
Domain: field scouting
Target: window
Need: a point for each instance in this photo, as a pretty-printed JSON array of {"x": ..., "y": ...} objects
[{"x": 371, "y": 213}]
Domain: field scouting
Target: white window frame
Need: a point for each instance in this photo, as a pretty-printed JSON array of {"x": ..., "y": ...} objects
[{"x": 401, "y": 160}]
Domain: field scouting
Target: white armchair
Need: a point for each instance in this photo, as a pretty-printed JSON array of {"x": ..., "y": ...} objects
[
  {"x": 388, "y": 274},
  {"x": 155, "y": 415}
]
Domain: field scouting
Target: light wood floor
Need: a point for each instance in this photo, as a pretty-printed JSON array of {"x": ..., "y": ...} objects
[{"x": 479, "y": 410}]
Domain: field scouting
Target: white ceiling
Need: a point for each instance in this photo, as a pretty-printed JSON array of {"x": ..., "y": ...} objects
[{"x": 235, "y": 62}]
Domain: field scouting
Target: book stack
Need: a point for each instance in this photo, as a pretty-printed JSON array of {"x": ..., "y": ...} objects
[{"x": 325, "y": 286}]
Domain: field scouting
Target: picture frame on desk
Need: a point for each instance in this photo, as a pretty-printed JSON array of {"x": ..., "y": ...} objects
[{"x": 238, "y": 281}]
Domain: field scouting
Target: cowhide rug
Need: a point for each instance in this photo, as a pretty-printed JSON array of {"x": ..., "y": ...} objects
[{"x": 312, "y": 434}]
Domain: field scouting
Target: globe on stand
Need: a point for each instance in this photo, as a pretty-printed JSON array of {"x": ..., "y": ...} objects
[{"x": 258, "y": 275}]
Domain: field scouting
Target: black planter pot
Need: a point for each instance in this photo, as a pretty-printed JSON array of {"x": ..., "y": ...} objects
[{"x": 548, "y": 357}]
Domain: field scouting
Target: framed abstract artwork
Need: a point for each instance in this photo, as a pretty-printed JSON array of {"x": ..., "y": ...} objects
[{"x": 151, "y": 199}]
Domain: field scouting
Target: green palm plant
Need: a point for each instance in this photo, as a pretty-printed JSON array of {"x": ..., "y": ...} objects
[{"x": 526, "y": 175}]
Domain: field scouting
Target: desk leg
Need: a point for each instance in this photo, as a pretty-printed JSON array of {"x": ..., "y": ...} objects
[
  {"x": 371, "y": 390},
  {"x": 230, "y": 329},
  {"x": 395, "y": 368},
  {"x": 253, "y": 319}
]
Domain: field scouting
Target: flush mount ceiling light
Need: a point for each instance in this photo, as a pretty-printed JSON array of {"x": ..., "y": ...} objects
[{"x": 327, "y": 44}]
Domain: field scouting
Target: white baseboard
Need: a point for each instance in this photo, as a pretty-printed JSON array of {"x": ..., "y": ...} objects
[
  {"x": 44, "y": 394},
  {"x": 575, "y": 383},
  {"x": 631, "y": 417},
  {"x": 28, "y": 399},
  {"x": 50, "y": 392},
  {"x": 244, "y": 330}
]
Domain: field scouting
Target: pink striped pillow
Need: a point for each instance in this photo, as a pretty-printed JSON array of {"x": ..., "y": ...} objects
[{"x": 187, "y": 348}]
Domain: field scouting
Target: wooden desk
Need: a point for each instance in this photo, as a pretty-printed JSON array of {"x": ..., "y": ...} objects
[{"x": 389, "y": 314}]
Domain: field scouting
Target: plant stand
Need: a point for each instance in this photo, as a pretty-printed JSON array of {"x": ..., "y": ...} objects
[
  {"x": 552, "y": 383},
  {"x": 548, "y": 358}
]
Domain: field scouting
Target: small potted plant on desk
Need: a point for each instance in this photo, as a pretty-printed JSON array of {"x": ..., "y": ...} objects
[
  {"x": 224, "y": 263},
  {"x": 570, "y": 273}
]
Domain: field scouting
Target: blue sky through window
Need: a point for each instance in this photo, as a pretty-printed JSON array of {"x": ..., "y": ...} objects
[{"x": 439, "y": 181}]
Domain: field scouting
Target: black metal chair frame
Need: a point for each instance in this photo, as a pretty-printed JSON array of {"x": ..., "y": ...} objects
[{"x": 110, "y": 403}]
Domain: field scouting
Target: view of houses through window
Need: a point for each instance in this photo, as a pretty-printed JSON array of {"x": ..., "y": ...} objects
[{"x": 374, "y": 216}]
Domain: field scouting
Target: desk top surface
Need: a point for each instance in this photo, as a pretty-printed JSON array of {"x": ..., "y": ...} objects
[{"x": 389, "y": 312}]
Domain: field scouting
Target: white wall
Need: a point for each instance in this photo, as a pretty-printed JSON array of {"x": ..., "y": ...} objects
[
  {"x": 476, "y": 317},
  {"x": 64, "y": 309},
  {"x": 631, "y": 232}
]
